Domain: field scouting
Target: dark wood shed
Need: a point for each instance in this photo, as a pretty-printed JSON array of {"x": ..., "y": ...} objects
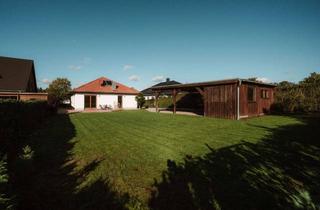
[{"x": 232, "y": 98}]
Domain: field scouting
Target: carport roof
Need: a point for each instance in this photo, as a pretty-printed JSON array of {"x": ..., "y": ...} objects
[{"x": 211, "y": 83}]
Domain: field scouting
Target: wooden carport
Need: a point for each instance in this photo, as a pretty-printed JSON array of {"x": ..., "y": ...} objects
[{"x": 222, "y": 98}]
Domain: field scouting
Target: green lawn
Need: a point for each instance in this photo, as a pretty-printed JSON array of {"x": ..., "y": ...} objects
[{"x": 136, "y": 159}]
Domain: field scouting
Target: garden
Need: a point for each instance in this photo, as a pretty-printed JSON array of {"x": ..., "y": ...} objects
[{"x": 142, "y": 160}]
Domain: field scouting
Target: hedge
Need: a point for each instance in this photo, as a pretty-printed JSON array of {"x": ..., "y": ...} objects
[
  {"x": 18, "y": 119},
  {"x": 301, "y": 97},
  {"x": 5, "y": 201}
]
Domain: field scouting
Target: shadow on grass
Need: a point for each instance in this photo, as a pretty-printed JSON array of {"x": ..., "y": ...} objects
[
  {"x": 49, "y": 179},
  {"x": 282, "y": 171}
]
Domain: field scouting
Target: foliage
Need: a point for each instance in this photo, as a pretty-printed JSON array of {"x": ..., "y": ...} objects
[
  {"x": 311, "y": 90},
  {"x": 183, "y": 100},
  {"x": 149, "y": 103},
  {"x": 5, "y": 201},
  {"x": 17, "y": 119},
  {"x": 254, "y": 79},
  {"x": 41, "y": 90},
  {"x": 60, "y": 88},
  {"x": 165, "y": 101},
  {"x": 27, "y": 153},
  {"x": 140, "y": 100},
  {"x": 301, "y": 97}
]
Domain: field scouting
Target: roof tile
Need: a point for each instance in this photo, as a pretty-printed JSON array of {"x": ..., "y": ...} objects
[{"x": 96, "y": 87}]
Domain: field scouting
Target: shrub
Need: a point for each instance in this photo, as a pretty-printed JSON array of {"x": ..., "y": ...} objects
[
  {"x": 18, "y": 119},
  {"x": 5, "y": 202},
  {"x": 184, "y": 100},
  {"x": 149, "y": 103},
  {"x": 140, "y": 100},
  {"x": 301, "y": 97}
]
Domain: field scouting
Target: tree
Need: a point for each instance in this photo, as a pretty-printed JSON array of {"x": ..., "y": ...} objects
[
  {"x": 311, "y": 89},
  {"x": 141, "y": 100},
  {"x": 302, "y": 97},
  {"x": 60, "y": 89},
  {"x": 41, "y": 90},
  {"x": 254, "y": 79}
]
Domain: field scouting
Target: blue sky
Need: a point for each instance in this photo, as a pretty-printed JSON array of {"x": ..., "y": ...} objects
[{"x": 140, "y": 42}]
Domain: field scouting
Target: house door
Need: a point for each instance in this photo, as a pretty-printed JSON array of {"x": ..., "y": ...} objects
[
  {"x": 120, "y": 102},
  {"x": 90, "y": 101}
]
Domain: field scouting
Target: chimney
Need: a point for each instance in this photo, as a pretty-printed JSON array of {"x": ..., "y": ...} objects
[
  {"x": 114, "y": 86},
  {"x": 168, "y": 79}
]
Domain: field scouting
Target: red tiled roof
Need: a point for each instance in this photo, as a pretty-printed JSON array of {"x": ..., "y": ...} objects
[{"x": 96, "y": 87}]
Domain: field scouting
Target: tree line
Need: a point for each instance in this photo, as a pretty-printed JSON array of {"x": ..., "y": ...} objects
[{"x": 303, "y": 96}]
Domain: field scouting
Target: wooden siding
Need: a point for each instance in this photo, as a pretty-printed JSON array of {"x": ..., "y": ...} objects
[
  {"x": 37, "y": 96},
  {"x": 25, "y": 96},
  {"x": 264, "y": 104},
  {"x": 220, "y": 101},
  {"x": 259, "y": 105}
]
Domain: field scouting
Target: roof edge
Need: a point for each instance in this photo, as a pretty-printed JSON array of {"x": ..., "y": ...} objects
[
  {"x": 213, "y": 82},
  {"x": 23, "y": 59},
  {"x": 104, "y": 93}
]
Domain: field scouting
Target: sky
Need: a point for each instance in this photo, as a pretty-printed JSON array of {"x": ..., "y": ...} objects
[{"x": 140, "y": 43}]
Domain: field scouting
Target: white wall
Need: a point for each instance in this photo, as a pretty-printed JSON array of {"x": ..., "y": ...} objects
[
  {"x": 149, "y": 97},
  {"x": 77, "y": 101},
  {"x": 128, "y": 101},
  {"x": 110, "y": 100}
]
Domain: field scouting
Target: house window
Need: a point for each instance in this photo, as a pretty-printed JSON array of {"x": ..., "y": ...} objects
[
  {"x": 264, "y": 94},
  {"x": 251, "y": 94},
  {"x": 90, "y": 101}
]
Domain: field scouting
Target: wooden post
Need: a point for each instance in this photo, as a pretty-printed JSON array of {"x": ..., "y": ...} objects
[
  {"x": 200, "y": 91},
  {"x": 174, "y": 94},
  {"x": 204, "y": 97}
]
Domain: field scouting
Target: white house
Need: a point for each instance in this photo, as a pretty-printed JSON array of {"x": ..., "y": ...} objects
[{"x": 102, "y": 93}]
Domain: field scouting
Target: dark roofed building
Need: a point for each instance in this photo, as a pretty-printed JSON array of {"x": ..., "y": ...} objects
[
  {"x": 17, "y": 75},
  {"x": 148, "y": 93},
  {"x": 18, "y": 80}
]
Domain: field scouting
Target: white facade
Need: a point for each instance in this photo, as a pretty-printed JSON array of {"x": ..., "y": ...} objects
[
  {"x": 149, "y": 97},
  {"x": 111, "y": 100},
  {"x": 77, "y": 101},
  {"x": 129, "y": 102}
]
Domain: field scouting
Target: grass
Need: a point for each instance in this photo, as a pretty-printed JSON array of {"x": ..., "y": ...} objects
[{"x": 136, "y": 159}]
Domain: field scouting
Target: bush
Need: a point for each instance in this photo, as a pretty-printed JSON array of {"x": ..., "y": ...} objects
[
  {"x": 163, "y": 102},
  {"x": 184, "y": 100},
  {"x": 18, "y": 119},
  {"x": 140, "y": 100},
  {"x": 149, "y": 103},
  {"x": 5, "y": 202},
  {"x": 301, "y": 97}
]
